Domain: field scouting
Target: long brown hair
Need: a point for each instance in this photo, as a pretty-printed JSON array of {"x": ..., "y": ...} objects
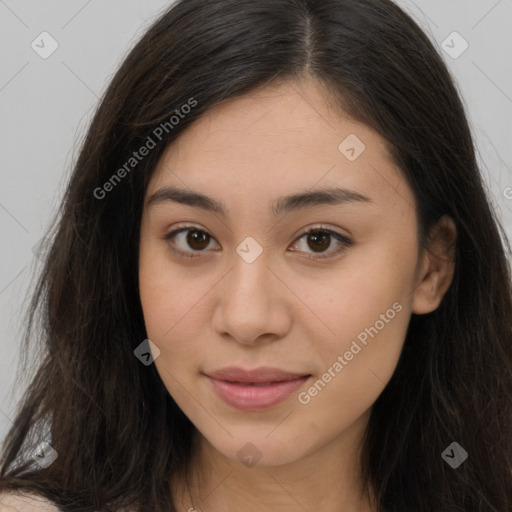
[{"x": 118, "y": 433}]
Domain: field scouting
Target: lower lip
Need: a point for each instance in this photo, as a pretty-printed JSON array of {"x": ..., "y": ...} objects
[{"x": 255, "y": 398}]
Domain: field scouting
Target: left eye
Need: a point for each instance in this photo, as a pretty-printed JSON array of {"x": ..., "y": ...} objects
[{"x": 320, "y": 239}]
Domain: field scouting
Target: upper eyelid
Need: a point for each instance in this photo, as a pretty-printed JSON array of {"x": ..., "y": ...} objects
[{"x": 301, "y": 233}]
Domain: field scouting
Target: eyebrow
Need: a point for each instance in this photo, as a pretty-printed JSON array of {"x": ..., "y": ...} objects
[{"x": 281, "y": 205}]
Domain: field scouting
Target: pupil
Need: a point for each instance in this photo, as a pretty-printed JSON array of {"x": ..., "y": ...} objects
[
  {"x": 193, "y": 240},
  {"x": 323, "y": 238}
]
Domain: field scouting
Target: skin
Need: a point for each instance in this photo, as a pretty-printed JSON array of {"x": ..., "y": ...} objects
[{"x": 284, "y": 309}]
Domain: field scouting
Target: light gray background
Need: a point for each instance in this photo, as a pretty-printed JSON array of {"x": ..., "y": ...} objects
[{"x": 46, "y": 105}]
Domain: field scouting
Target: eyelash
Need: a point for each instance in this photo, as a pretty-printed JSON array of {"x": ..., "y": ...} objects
[{"x": 343, "y": 240}]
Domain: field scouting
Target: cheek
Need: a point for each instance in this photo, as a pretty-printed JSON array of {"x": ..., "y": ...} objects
[
  {"x": 172, "y": 300},
  {"x": 370, "y": 321},
  {"x": 167, "y": 314},
  {"x": 169, "y": 317},
  {"x": 164, "y": 293},
  {"x": 365, "y": 312}
]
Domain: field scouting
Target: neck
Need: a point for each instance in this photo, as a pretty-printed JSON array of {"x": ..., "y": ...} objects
[{"x": 327, "y": 480}]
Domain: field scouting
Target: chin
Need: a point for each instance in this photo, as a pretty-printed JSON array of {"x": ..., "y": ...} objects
[{"x": 262, "y": 448}]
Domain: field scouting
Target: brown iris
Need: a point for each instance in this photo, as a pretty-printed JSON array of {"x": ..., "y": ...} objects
[
  {"x": 198, "y": 237},
  {"x": 319, "y": 237}
]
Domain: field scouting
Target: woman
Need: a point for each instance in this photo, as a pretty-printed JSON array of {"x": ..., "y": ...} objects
[{"x": 334, "y": 330}]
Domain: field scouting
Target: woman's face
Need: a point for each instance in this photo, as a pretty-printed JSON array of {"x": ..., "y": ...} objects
[{"x": 275, "y": 343}]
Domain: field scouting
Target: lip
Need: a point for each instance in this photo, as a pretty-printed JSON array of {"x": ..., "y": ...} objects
[{"x": 256, "y": 389}]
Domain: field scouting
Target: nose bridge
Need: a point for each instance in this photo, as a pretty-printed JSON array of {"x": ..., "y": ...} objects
[
  {"x": 248, "y": 305},
  {"x": 250, "y": 275}
]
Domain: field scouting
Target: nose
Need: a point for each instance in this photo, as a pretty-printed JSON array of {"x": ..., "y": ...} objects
[{"x": 252, "y": 304}]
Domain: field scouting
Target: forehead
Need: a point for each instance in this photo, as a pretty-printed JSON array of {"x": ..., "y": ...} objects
[{"x": 276, "y": 141}]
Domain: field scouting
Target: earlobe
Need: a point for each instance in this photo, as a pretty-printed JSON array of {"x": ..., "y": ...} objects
[{"x": 437, "y": 267}]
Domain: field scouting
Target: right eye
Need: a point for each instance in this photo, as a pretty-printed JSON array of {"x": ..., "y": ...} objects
[{"x": 197, "y": 239}]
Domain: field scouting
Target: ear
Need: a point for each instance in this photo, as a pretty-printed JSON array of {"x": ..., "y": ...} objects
[{"x": 437, "y": 267}]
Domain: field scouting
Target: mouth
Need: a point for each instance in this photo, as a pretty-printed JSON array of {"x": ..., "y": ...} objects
[
  {"x": 255, "y": 390},
  {"x": 257, "y": 383}
]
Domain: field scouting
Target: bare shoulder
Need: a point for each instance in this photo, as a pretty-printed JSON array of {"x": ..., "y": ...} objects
[{"x": 16, "y": 502}]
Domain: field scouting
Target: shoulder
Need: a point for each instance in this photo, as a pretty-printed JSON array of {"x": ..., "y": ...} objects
[{"x": 15, "y": 502}]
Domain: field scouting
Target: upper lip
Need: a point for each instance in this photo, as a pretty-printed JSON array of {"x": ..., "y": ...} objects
[{"x": 257, "y": 375}]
